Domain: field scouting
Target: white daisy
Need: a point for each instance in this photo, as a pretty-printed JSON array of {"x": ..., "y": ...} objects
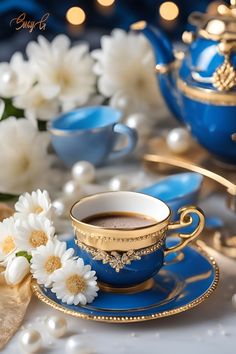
[
  {"x": 47, "y": 259},
  {"x": 38, "y": 202},
  {"x": 24, "y": 160},
  {"x": 7, "y": 239},
  {"x": 32, "y": 232},
  {"x": 36, "y": 105},
  {"x": 63, "y": 72},
  {"x": 75, "y": 283},
  {"x": 16, "y": 77},
  {"x": 130, "y": 83}
]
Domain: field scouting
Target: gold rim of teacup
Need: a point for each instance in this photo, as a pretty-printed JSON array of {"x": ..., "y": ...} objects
[{"x": 109, "y": 239}]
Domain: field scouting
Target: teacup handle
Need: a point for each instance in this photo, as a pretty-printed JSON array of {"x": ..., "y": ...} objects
[
  {"x": 132, "y": 140},
  {"x": 186, "y": 220}
]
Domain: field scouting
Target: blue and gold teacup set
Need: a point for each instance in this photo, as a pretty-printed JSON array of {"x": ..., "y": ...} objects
[{"x": 142, "y": 273}]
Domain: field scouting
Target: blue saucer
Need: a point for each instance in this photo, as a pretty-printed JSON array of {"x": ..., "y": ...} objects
[{"x": 185, "y": 281}]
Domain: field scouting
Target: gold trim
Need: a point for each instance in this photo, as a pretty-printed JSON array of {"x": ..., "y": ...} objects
[
  {"x": 207, "y": 95},
  {"x": 109, "y": 243},
  {"x": 217, "y": 37},
  {"x": 178, "y": 162},
  {"x": 127, "y": 319},
  {"x": 224, "y": 78},
  {"x": 186, "y": 220},
  {"x": 118, "y": 260},
  {"x": 146, "y": 285}
]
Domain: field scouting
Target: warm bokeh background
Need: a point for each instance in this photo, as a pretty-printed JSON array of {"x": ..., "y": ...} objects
[{"x": 97, "y": 17}]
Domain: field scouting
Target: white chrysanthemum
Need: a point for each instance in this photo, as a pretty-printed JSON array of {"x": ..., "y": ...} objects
[
  {"x": 63, "y": 72},
  {"x": 47, "y": 259},
  {"x": 38, "y": 202},
  {"x": 36, "y": 105},
  {"x": 125, "y": 66},
  {"x": 24, "y": 161},
  {"x": 75, "y": 283},
  {"x": 32, "y": 232},
  {"x": 7, "y": 239},
  {"x": 16, "y": 77}
]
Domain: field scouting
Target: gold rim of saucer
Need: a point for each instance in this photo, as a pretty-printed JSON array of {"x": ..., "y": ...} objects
[{"x": 129, "y": 319}]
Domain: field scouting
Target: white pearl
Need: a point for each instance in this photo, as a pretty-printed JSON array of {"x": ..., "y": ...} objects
[
  {"x": 57, "y": 326},
  {"x": 30, "y": 341},
  {"x": 139, "y": 121},
  {"x": 59, "y": 207},
  {"x": 118, "y": 183},
  {"x": 234, "y": 301},
  {"x": 83, "y": 172},
  {"x": 71, "y": 188},
  {"x": 75, "y": 345},
  {"x": 178, "y": 140}
]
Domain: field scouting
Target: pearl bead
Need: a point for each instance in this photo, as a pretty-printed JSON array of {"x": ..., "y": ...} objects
[
  {"x": 59, "y": 207},
  {"x": 178, "y": 140},
  {"x": 71, "y": 188},
  {"x": 57, "y": 326},
  {"x": 74, "y": 345},
  {"x": 118, "y": 183},
  {"x": 139, "y": 121},
  {"x": 30, "y": 340},
  {"x": 83, "y": 172}
]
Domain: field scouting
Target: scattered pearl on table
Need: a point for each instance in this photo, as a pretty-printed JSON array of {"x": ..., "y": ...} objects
[
  {"x": 30, "y": 340},
  {"x": 139, "y": 121},
  {"x": 71, "y": 188},
  {"x": 234, "y": 301},
  {"x": 83, "y": 172},
  {"x": 178, "y": 140},
  {"x": 59, "y": 207},
  {"x": 75, "y": 345},
  {"x": 57, "y": 326},
  {"x": 118, "y": 183}
]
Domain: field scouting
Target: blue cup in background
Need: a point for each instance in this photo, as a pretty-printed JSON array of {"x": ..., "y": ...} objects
[{"x": 90, "y": 134}]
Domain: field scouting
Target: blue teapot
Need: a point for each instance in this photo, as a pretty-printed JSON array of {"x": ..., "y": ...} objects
[{"x": 200, "y": 90}]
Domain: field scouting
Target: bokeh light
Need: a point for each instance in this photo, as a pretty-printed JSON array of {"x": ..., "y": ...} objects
[
  {"x": 169, "y": 11},
  {"x": 106, "y": 2},
  {"x": 75, "y": 15}
]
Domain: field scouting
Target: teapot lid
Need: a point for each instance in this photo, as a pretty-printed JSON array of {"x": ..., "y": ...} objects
[{"x": 217, "y": 25}]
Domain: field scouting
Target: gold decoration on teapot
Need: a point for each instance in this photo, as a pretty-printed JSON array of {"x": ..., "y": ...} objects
[{"x": 224, "y": 78}]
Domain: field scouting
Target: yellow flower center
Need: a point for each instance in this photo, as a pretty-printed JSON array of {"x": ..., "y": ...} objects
[
  {"x": 37, "y": 209},
  {"x": 52, "y": 263},
  {"x": 8, "y": 245},
  {"x": 75, "y": 284},
  {"x": 38, "y": 238}
]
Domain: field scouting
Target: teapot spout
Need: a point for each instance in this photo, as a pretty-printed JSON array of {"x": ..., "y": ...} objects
[{"x": 165, "y": 63}]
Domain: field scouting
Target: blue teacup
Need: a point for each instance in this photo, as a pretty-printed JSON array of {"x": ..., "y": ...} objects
[
  {"x": 90, "y": 134},
  {"x": 126, "y": 257}
]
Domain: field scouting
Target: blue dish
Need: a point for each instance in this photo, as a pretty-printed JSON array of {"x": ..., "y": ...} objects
[
  {"x": 177, "y": 190},
  {"x": 184, "y": 282},
  {"x": 90, "y": 134}
]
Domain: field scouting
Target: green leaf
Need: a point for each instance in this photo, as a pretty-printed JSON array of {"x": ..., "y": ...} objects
[
  {"x": 5, "y": 197},
  {"x": 11, "y": 110},
  {"x": 24, "y": 254}
]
